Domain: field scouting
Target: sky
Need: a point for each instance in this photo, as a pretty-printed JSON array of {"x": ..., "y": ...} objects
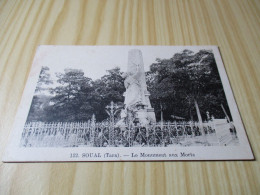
[{"x": 95, "y": 60}]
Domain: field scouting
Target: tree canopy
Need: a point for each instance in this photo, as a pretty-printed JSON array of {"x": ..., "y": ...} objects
[
  {"x": 181, "y": 87},
  {"x": 44, "y": 79},
  {"x": 176, "y": 84},
  {"x": 76, "y": 97}
]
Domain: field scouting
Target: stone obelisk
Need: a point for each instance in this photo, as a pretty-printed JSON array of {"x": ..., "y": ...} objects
[{"x": 136, "y": 95}]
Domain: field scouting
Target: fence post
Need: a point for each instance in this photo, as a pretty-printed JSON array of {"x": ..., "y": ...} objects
[{"x": 93, "y": 127}]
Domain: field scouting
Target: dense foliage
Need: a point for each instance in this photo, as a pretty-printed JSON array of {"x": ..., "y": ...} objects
[
  {"x": 176, "y": 85},
  {"x": 186, "y": 79},
  {"x": 76, "y": 97}
]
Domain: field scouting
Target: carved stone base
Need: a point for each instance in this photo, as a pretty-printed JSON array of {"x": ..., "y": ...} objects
[
  {"x": 146, "y": 116},
  {"x": 151, "y": 115}
]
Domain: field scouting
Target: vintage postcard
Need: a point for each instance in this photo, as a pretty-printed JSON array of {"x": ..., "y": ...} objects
[{"x": 127, "y": 103}]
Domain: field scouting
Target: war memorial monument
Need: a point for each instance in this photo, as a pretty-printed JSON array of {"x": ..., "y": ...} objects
[{"x": 137, "y": 103}]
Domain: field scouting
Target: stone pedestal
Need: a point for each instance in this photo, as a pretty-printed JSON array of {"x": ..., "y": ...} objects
[{"x": 151, "y": 114}]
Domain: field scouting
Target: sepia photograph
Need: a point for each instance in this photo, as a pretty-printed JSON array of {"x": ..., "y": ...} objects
[{"x": 121, "y": 99}]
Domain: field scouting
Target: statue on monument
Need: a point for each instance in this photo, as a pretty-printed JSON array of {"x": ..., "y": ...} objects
[
  {"x": 137, "y": 100},
  {"x": 134, "y": 94}
]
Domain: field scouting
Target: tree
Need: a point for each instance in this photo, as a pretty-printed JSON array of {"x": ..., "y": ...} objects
[
  {"x": 77, "y": 97},
  {"x": 40, "y": 99},
  {"x": 38, "y": 108},
  {"x": 185, "y": 83},
  {"x": 109, "y": 88},
  {"x": 44, "y": 79},
  {"x": 70, "y": 97}
]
